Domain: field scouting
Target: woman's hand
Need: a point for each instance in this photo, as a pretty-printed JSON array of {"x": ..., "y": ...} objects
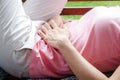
[
  {"x": 59, "y": 20},
  {"x": 54, "y": 35}
]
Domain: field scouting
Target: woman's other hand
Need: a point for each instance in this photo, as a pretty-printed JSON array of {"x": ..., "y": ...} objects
[
  {"x": 59, "y": 20},
  {"x": 54, "y": 35}
]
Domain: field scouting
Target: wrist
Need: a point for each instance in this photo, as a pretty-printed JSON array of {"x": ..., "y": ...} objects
[{"x": 63, "y": 44}]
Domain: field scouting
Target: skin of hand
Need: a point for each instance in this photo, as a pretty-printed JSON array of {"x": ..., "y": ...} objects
[
  {"x": 59, "y": 20},
  {"x": 53, "y": 34}
]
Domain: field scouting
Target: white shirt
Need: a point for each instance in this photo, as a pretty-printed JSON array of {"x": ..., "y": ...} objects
[{"x": 17, "y": 31}]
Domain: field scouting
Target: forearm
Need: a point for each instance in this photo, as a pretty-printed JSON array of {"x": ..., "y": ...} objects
[{"x": 81, "y": 68}]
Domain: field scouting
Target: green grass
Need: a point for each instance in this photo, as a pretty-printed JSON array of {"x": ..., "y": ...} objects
[
  {"x": 94, "y": 3},
  {"x": 90, "y": 3}
]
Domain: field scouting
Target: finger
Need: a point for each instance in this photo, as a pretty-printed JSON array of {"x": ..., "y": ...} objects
[
  {"x": 61, "y": 26},
  {"x": 53, "y": 24},
  {"x": 64, "y": 21},
  {"x": 42, "y": 34},
  {"x": 43, "y": 29},
  {"x": 47, "y": 26}
]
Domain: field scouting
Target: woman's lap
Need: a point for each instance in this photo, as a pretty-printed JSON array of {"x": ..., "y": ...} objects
[
  {"x": 103, "y": 47},
  {"x": 97, "y": 32}
]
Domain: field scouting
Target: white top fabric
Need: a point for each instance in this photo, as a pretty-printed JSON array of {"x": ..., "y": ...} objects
[
  {"x": 43, "y": 9},
  {"x": 17, "y": 31}
]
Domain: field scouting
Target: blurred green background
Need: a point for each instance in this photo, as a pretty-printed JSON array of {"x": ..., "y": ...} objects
[{"x": 91, "y": 4}]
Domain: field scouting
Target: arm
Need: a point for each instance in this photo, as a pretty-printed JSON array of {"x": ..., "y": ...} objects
[
  {"x": 81, "y": 68},
  {"x": 58, "y": 38}
]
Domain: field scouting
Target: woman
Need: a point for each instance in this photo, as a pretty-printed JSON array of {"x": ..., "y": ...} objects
[
  {"x": 99, "y": 32},
  {"x": 47, "y": 62},
  {"x": 96, "y": 37},
  {"x": 23, "y": 53}
]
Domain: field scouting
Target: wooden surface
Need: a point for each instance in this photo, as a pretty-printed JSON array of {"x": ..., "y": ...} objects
[{"x": 78, "y": 10}]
